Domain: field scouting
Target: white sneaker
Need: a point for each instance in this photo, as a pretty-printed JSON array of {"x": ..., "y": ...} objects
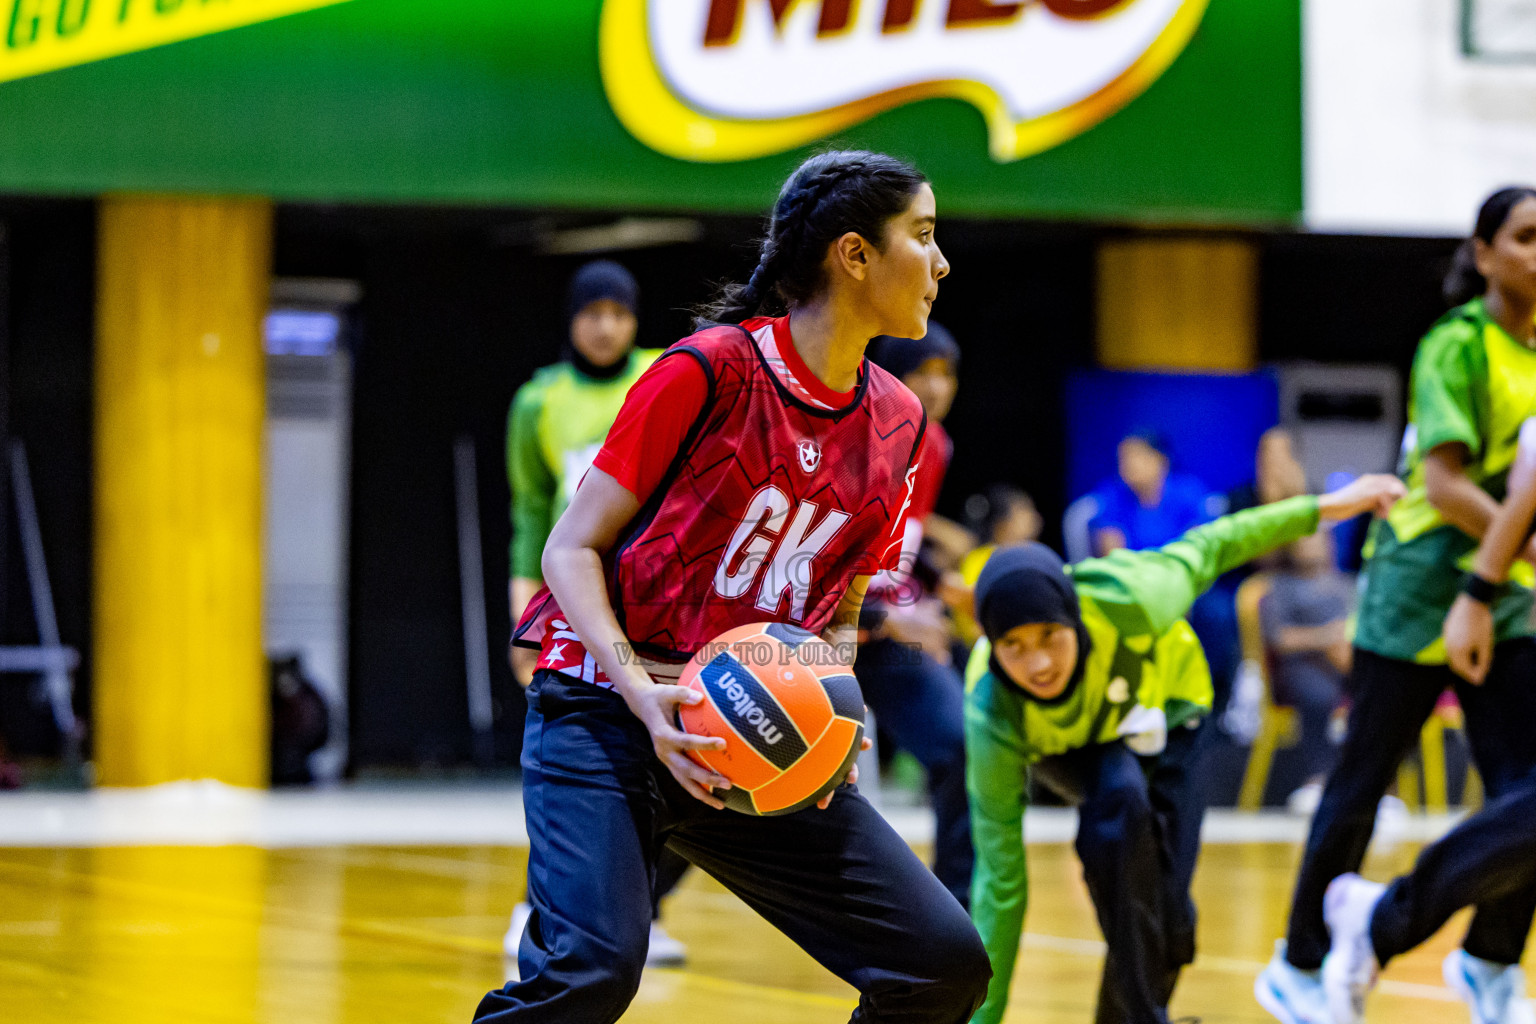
[
  {"x": 664, "y": 950},
  {"x": 514, "y": 936},
  {"x": 1290, "y": 994},
  {"x": 1350, "y": 969},
  {"x": 1495, "y": 992}
]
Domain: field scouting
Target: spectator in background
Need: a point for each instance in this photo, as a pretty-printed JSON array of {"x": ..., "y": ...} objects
[
  {"x": 555, "y": 429},
  {"x": 1277, "y": 473},
  {"x": 1305, "y": 621},
  {"x": 1148, "y": 506},
  {"x": 905, "y": 667}
]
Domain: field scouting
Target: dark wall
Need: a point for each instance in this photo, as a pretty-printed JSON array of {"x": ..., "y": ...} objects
[
  {"x": 1345, "y": 298},
  {"x": 52, "y": 249},
  {"x": 1020, "y": 303}
]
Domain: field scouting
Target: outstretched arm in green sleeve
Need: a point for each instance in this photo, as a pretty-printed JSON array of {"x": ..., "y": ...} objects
[
  {"x": 1156, "y": 588},
  {"x": 997, "y": 783}
]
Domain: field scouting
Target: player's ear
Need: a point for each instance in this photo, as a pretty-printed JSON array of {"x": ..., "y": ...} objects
[{"x": 850, "y": 255}]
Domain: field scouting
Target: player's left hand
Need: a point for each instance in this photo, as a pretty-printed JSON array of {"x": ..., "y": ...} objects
[
  {"x": 1375, "y": 493},
  {"x": 853, "y": 775}
]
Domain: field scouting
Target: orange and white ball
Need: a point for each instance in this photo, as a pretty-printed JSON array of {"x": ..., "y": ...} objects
[{"x": 791, "y": 714}]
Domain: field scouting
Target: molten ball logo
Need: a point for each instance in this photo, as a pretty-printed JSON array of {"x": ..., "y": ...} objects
[
  {"x": 748, "y": 710},
  {"x": 724, "y": 80}
]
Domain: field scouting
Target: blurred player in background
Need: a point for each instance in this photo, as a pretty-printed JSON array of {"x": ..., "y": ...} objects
[
  {"x": 559, "y": 418},
  {"x": 1090, "y": 677},
  {"x": 760, "y": 470},
  {"x": 1001, "y": 516},
  {"x": 1473, "y": 385},
  {"x": 1489, "y": 858},
  {"x": 555, "y": 427},
  {"x": 905, "y": 666}
]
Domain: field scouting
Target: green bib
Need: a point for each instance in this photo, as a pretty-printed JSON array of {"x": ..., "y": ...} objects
[{"x": 1473, "y": 384}]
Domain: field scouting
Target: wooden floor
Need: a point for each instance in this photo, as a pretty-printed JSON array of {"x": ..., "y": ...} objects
[{"x": 363, "y": 935}]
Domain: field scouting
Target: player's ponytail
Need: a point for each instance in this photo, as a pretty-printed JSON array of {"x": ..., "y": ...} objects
[
  {"x": 828, "y": 196},
  {"x": 1464, "y": 282}
]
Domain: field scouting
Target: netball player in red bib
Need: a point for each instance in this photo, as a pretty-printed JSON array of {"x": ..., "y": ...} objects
[{"x": 760, "y": 470}]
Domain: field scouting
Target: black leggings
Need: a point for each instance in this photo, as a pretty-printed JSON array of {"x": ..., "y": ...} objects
[
  {"x": 1138, "y": 837},
  {"x": 1392, "y": 700},
  {"x": 1489, "y": 858}
]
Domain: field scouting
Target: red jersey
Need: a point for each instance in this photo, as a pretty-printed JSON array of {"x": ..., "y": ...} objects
[
  {"x": 770, "y": 505},
  {"x": 936, "y": 453},
  {"x": 900, "y": 586}
]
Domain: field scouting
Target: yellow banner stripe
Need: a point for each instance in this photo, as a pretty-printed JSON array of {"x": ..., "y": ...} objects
[{"x": 45, "y": 35}]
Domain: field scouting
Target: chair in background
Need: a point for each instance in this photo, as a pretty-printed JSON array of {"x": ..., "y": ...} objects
[
  {"x": 1426, "y": 787},
  {"x": 1423, "y": 787}
]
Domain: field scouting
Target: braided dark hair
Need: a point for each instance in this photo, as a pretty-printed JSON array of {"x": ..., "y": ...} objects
[
  {"x": 828, "y": 196},
  {"x": 1464, "y": 282}
]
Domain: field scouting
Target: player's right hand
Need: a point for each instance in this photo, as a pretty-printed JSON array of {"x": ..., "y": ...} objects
[
  {"x": 656, "y": 706},
  {"x": 1468, "y": 636},
  {"x": 1375, "y": 493},
  {"x": 852, "y": 778}
]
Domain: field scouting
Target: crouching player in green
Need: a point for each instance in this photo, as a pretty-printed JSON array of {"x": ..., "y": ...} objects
[{"x": 1089, "y": 676}]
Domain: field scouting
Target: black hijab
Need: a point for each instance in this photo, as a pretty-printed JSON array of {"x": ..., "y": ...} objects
[
  {"x": 600, "y": 279},
  {"x": 1024, "y": 584}
]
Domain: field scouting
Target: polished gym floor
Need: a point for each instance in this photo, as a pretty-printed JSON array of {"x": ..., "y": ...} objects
[{"x": 362, "y": 934}]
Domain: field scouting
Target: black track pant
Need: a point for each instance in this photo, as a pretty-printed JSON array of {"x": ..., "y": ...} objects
[
  {"x": 1489, "y": 858},
  {"x": 1392, "y": 700},
  {"x": 840, "y": 882},
  {"x": 1138, "y": 837}
]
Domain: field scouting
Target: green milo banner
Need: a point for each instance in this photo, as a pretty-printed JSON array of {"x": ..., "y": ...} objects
[{"x": 1161, "y": 110}]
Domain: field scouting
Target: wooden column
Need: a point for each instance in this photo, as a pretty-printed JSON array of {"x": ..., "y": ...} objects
[
  {"x": 1178, "y": 303},
  {"x": 180, "y": 678}
]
